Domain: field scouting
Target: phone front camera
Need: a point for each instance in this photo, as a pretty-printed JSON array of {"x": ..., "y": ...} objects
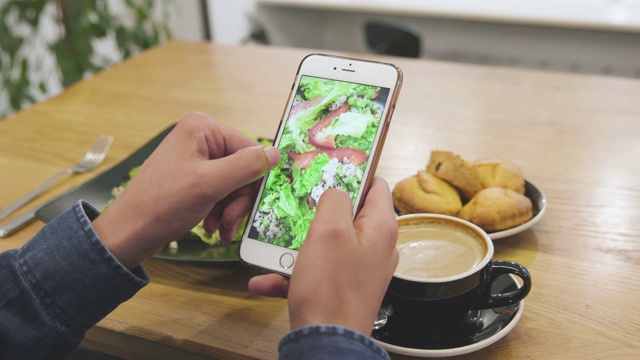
[{"x": 334, "y": 68}]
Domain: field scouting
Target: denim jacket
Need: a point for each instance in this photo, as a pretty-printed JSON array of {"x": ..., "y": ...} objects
[{"x": 64, "y": 280}]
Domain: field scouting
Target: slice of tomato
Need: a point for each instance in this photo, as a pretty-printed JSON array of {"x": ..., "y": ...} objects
[
  {"x": 326, "y": 142},
  {"x": 343, "y": 155},
  {"x": 305, "y": 105}
]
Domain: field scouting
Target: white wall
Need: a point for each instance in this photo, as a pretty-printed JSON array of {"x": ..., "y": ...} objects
[
  {"x": 560, "y": 48},
  {"x": 186, "y": 21},
  {"x": 231, "y": 20}
]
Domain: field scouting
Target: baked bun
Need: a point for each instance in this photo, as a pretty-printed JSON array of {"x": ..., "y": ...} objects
[
  {"x": 496, "y": 208},
  {"x": 456, "y": 171},
  {"x": 425, "y": 193},
  {"x": 500, "y": 173}
]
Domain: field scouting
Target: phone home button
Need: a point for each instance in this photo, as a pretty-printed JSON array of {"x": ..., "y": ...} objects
[{"x": 286, "y": 260}]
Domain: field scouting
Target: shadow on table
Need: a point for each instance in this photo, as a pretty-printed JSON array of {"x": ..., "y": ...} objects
[
  {"x": 522, "y": 247},
  {"x": 85, "y": 354}
]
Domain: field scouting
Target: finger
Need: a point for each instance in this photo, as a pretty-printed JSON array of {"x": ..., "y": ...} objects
[
  {"x": 378, "y": 205},
  {"x": 242, "y": 167},
  {"x": 228, "y": 213},
  {"x": 272, "y": 285},
  {"x": 377, "y": 216},
  {"x": 213, "y": 220},
  {"x": 380, "y": 194},
  {"x": 227, "y": 140},
  {"x": 220, "y": 140},
  {"x": 238, "y": 207},
  {"x": 335, "y": 208},
  {"x": 335, "y": 204},
  {"x": 233, "y": 216}
]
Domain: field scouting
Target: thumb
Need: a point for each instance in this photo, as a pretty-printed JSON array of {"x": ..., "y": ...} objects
[
  {"x": 272, "y": 285},
  {"x": 244, "y": 167}
]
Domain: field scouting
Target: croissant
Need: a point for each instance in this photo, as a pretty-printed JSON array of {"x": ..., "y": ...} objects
[
  {"x": 425, "y": 193},
  {"x": 496, "y": 208}
]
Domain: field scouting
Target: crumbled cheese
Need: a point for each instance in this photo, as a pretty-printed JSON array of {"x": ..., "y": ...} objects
[
  {"x": 336, "y": 104},
  {"x": 331, "y": 173},
  {"x": 173, "y": 247},
  {"x": 273, "y": 229}
]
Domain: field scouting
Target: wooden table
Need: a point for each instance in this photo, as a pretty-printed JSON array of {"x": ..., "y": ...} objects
[{"x": 576, "y": 137}]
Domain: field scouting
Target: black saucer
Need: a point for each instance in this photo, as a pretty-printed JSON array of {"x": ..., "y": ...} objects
[{"x": 480, "y": 329}]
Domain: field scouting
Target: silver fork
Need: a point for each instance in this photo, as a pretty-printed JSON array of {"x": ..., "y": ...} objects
[{"x": 91, "y": 159}]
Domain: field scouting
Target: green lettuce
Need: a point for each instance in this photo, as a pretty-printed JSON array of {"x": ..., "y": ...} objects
[
  {"x": 350, "y": 123},
  {"x": 301, "y": 123},
  {"x": 313, "y": 87},
  {"x": 305, "y": 180},
  {"x": 362, "y": 142},
  {"x": 287, "y": 203}
]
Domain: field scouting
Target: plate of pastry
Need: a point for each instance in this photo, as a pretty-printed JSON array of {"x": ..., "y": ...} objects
[{"x": 490, "y": 193}]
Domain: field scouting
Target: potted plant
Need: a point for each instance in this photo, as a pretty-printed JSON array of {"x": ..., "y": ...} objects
[{"x": 46, "y": 45}]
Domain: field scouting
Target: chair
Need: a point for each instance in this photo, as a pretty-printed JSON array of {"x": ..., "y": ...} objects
[{"x": 389, "y": 39}]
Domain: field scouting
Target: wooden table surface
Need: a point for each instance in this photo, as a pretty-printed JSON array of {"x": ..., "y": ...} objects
[{"x": 576, "y": 137}]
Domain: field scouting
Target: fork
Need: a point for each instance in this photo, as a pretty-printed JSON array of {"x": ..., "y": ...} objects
[{"x": 91, "y": 159}]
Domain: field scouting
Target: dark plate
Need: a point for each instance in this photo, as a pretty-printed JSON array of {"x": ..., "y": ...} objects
[
  {"x": 193, "y": 249},
  {"x": 481, "y": 329},
  {"x": 97, "y": 192}
]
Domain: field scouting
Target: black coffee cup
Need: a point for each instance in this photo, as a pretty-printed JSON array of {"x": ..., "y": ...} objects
[{"x": 446, "y": 270}]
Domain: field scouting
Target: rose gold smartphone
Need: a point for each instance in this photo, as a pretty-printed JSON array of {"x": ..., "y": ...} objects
[{"x": 330, "y": 136}]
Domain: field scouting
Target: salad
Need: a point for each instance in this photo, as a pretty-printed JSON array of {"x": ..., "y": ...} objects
[{"x": 325, "y": 144}]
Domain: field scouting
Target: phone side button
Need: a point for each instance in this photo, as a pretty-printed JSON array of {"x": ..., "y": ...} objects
[{"x": 287, "y": 260}]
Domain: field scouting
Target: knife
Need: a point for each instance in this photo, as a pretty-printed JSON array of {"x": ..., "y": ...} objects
[{"x": 17, "y": 223}]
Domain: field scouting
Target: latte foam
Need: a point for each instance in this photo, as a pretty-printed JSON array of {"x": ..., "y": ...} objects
[{"x": 437, "y": 251}]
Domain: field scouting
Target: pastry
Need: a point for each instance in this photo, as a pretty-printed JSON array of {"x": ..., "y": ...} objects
[
  {"x": 496, "y": 208},
  {"x": 425, "y": 193},
  {"x": 500, "y": 173},
  {"x": 456, "y": 171}
]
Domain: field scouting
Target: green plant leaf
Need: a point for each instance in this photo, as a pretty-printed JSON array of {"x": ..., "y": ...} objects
[{"x": 82, "y": 21}]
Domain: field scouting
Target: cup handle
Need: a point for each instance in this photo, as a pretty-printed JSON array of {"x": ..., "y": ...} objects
[{"x": 499, "y": 268}]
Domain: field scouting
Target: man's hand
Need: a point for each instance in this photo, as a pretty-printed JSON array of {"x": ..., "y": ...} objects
[
  {"x": 201, "y": 170},
  {"x": 343, "y": 268}
]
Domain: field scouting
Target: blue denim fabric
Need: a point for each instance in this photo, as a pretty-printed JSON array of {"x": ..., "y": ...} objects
[
  {"x": 64, "y": 280},
  {"x": 329, "y": 342},
  {"x": 58, "y": 285}
]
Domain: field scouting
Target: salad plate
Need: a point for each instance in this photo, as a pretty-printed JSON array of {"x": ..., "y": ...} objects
[
  {"x": 98, "y": 193},
  {"x": 539, "y": 206},
  {"x": 481, "y": 329}
]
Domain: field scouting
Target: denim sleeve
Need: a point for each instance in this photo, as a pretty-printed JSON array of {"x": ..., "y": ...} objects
[
  {"x": 328, "y": 342},
  {"x": 58, "y": 285}
]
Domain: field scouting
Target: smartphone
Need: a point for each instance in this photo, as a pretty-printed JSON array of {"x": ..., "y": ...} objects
[{"x": 331, "y": 134}]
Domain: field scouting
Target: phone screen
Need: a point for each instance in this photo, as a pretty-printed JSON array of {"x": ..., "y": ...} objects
[{"x": 328, "y": 136}]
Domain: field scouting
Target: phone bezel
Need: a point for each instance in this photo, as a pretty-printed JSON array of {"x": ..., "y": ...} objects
[{"x": 267, "y": 256}]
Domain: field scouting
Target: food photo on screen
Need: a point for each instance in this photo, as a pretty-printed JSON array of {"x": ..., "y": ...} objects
[{"x": 326, "y": 143}]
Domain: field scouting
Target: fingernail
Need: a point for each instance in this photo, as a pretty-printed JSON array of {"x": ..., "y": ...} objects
[{"x": 272, "y": 154}]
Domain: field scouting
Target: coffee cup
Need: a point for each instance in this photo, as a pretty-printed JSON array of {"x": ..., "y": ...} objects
[{"x": 446, "y": 270}]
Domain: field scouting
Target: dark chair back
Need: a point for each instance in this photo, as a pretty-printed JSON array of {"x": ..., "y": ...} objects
[{"x": 390, "y": 39}]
